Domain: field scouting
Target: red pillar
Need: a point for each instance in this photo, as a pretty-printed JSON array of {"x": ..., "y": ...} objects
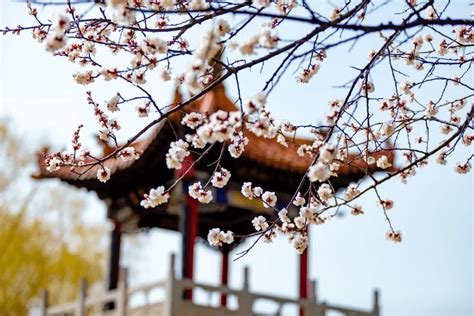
[
  {"x": 189, "y": 223},
  {"x": 189, "y": 238},
  {"x": 224, "y": 273},
  {"x": 303, "y": 277}
]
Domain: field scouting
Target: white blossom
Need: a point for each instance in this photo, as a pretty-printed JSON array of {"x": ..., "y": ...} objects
[
  {"x": 269, "y": 236},
  {"x": 326, "y": 154},
  {"x": 216, "y": 237},
  {"x": 281, "y": 140},
  {"x": 308, "y": 73},
  {"x": 300, "y": 242},
  {"x": 143, "y": 109},
  {"x": 306, "y": 213},
  {"x": 220, "y": 178},
  {"x": 261, "y": 3},
  {"x": 177, "y": 152},
  {"x": 351, "y": 192},
  {"x": 165, "y": 74},
  {"x": 299, "y": 200},
  {"x": 463, "y": 168},
  {"x": 441, "y": 158},
  {"x": 383, "y": 162},
  {"x": 247, "y": 190},
  {"x": 269, "y": 199},
  {"x": 198, "y": 5},
  {"x": 283, "y": 215},
  {"x": 53, "y": 164},
  {"x": 193, "y": 120},
  {"x": 394, "y": 236},
  {"x": 257, "y": 191},
  {"x": 222, "y": 27},
  {"x": 109, "y": 73},
  {"x": 196, "y": 191},
  {"x": 387, "y": 204},
  {"x": 266, "y": 38},
  {"x": 325, "y": 192},
  {"x": 84, "y": 78},
  {"x": 431, "y": 13},
  {"x": 103, "y": 174},
  {"x": 155, "y": 46},
  {"x": 112, "y": 104},
  {"x": 335, "y": 14},
  {"x": 259, "y": 223},
  {"x": 299, "y": 221},
  {"x": 129, "y": 153},
  {"x": 357, "y": 210},
  {"x": 431, "y": 110},
  {"x": 319, "y": 172},
  {"x": 155, "y": 197}
]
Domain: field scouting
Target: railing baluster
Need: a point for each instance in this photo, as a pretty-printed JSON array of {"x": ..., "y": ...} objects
[
  {"x": 44, "y": 303},
  {"x": 122, "y": 293},
  {"x": 376, "y": 308},
  {"x": 81, "y": 302}
]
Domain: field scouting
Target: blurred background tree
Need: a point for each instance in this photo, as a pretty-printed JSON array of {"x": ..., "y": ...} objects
[{"x": 44, "y": 243}]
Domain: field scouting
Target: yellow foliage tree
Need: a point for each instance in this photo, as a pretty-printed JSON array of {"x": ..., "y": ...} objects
[{"x": 36, "y": 252}]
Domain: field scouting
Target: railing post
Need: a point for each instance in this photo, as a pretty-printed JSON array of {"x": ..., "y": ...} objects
[
  {"x": 314, "y": 290},
  {"x": 246, "y": 278},
  {"x": 81, "y": 302},
  {"x": 312, "y": 306},
  {"x": 44, "y": 303},
  {"x": 245, "y": 298},
  {"x": 122, "y": 299},
  {"x": 376, "y": 308},
  {"x": 171, "y": 296}
]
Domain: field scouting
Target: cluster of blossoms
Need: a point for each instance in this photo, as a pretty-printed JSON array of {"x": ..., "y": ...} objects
[
  {"x": 133, "y": 27},
  {"x": 196, "y": 191},
  {"x": 394, "y": 236},
  {"x": 129, "y": 153},
  {"x": 296, "y": 228},
  {"x": 155, "y": 197},
  {"x": 324, "y": 167},
  {"x": 259, "y": 120},
  {"x": 308, "y": 73},
  {"x": 176, "y": 154},
  {"x": 219, "y": 127},
  {"x": 217, "y": 238},
  {"x": 56, "y": 38},
  {"x": 56, "y": 160},
  {"x": 269, "y": 199},
  {"x": 199, "y": 73},
  {"x": 220, "y": 178}
]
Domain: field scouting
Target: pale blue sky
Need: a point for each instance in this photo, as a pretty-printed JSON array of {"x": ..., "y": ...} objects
[{"x": 429, "y": 273}]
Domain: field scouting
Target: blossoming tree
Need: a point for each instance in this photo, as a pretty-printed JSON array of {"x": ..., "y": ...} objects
[{"x": 423, "y": 54}]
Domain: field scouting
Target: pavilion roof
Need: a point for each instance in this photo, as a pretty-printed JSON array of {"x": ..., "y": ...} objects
[
  {"x": 264, "y": 162},
  {"x": 260, "y": 149}
]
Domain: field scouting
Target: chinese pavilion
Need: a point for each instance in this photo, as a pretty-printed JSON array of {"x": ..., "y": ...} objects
[{"x": 264, "y": 162}]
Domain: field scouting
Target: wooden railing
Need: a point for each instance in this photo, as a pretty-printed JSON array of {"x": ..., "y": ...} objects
[{"x": 174, "y": 303}]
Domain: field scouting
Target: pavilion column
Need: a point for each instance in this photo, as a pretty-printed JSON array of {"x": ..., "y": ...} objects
[
  {"x": 224, "y": 272},
  {"x": 303, "y": 277},
  {"x": 114, "y": 261},
  {"x": 114, "y": 256},
  {"x": 189, "y": 224}
]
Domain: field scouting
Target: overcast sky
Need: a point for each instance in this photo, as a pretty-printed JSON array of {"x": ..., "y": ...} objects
[{"x": 429, "y": 273}]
